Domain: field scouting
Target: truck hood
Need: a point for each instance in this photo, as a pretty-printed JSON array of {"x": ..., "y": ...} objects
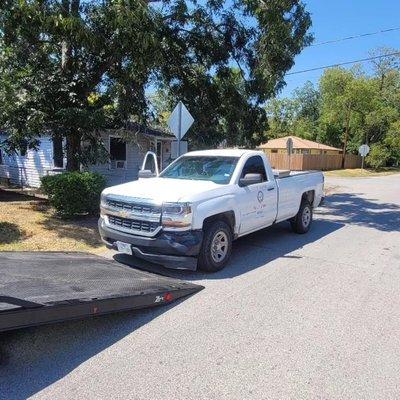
[{"x": 163, "y": 189}]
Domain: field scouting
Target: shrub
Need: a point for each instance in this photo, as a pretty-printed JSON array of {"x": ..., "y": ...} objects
[
  {"x": 378, "y": 156},
  {"x": 74, "y": 193}
]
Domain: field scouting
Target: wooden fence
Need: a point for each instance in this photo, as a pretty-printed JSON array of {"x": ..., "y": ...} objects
[{"x": 324, "y": 162}]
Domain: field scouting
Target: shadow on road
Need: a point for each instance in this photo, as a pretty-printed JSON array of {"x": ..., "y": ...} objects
[
  {"x": 32, "y": 359},
  {"x": 260, "y": 248},
  {"x": 352, "y": 208},
  {"x": 250, "y": 252}
]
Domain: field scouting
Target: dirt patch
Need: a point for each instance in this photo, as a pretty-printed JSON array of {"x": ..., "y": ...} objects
[{"x": 30, "y": 224}]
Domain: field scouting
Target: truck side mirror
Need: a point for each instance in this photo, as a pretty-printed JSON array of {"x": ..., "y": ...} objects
[
  {"x": 250, "y": 179},
  {"x": 150, "y": 166},
  {"x": 146, "y": 173}
]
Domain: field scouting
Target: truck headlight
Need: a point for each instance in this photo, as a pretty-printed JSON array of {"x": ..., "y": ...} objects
[
  {"x": 102, "y": 199},
  {"x": 103, "y": 203},
  {"x": 176, "y": 215}
]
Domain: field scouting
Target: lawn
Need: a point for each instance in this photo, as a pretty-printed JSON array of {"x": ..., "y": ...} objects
[
  {"x": 359, "y": 173},
  {"x": 28, "y": 223}
]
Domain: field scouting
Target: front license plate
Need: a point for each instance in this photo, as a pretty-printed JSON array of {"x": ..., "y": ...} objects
[{"x": 124, "y": 248}]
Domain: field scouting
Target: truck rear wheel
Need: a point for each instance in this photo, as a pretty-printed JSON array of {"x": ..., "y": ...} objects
[
  {"x": 302, "y": 221},
  {"x": 216, "y": 248}
]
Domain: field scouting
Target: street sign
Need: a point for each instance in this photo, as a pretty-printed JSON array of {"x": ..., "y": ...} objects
[
  {"x": 174, "y": 148},
  {"x": 179, "y": 122},
  {"x": 363, "y": 150}
]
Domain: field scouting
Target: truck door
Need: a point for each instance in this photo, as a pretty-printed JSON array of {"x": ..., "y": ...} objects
[{"x": 257, "y": 202}]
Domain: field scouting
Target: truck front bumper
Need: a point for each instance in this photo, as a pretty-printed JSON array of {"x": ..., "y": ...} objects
[{"x": 176, "y": 250}]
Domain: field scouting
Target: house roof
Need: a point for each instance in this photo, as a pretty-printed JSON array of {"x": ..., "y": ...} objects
[
  {"x": 146, "y": 130},
  {"x": 298, "y": 143}
]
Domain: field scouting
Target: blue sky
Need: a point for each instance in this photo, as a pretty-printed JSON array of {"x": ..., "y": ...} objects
[{"x": 334, "y": 19}]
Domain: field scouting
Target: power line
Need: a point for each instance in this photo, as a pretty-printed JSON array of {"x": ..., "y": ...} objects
[
  {"x": 344, "y": 63},
  {"x": 355, "y": 36}
]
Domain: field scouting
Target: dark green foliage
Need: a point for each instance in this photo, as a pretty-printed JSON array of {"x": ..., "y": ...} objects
[
  {"x": 378, "y": 156},
  {"x": 72, "y": 68},
  {"x": 74, "y": 193}
]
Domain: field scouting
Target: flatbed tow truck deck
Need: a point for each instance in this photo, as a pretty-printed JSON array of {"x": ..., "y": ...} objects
[{"x": 46, "y": 287}]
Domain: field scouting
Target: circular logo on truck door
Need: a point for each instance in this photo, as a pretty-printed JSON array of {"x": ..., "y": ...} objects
[{"x": 260, "y": 196}]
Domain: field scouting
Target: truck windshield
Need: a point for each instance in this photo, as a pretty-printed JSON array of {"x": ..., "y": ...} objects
[{"x": 202, "y": 168}]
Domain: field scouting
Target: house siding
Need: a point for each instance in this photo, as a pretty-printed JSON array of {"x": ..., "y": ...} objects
[
  {"x": 27, "y": 170},
  {"x": 135, "y": 153}
]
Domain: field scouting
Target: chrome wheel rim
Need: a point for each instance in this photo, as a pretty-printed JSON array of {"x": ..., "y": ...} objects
[
  {"x": 219, "y": 246},
  {"x": 306, "y": 216}
]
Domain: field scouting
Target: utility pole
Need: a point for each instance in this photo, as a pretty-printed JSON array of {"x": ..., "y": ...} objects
[{"x": 346, "y": 136}]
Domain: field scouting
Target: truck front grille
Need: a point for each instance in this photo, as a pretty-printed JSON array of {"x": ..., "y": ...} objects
[
  {"x": 132, "y": 224},
  {"x": 134, "y": 207}
]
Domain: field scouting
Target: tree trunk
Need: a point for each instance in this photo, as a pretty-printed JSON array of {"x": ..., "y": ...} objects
[
  {"x": 73, "y": 151},
  {"x": 73, "y": 141},
  {"x": 346, "y": 136}
]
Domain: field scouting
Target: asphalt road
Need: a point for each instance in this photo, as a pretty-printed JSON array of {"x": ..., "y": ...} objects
[{"x": 313, "y": 316}]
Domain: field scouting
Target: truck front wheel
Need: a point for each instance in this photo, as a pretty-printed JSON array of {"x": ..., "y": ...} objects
[
  {"x": 302, "y": 221},
  {"x": 216, "y": 248}
]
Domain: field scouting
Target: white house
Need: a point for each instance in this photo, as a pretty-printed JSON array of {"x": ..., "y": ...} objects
[{"x": 27, "y": 167}]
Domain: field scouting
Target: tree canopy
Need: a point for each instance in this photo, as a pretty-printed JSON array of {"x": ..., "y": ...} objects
[
  {"x": 348, "y": 108},
  {"x": 72, "y": 68}
]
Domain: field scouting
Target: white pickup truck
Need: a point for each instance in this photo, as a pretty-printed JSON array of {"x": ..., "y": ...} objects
[{"x": 187, "y": 216}]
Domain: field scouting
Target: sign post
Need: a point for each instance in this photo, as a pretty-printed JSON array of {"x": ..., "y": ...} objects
[
  {"x": 363, "y": 150},
  {"x": 179, "y": 122},
  {"x": 289, "y": 148}
]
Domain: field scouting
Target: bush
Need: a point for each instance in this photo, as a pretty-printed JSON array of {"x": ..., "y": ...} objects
[
  {"x": 74, "y": 193},
  {"x": 378, "y": 156}
]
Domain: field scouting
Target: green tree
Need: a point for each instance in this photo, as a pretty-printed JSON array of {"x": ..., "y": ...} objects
[
  {"x": 347, "y": 97},
  {"x": 298, "y": 115},
  {"x": 347, "y": 109},
  {"x": 74, "y": 67},
  {"x": 392, "y": 143},
  {"x": 378, "y": 156}
]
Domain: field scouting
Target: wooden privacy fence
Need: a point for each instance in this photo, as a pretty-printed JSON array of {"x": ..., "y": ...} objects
[{"x": 324, "y": 162}]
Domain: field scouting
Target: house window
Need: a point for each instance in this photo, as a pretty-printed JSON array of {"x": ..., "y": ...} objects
[
  {"x": 117, "y": 152},
  {"x": 274, "y": 151},
  {"x": 58, "y": 156}
]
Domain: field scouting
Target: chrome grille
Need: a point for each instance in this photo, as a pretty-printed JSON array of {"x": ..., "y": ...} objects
[
  {"x": 132, "y": 224},
  {"x": 134, "y": 207}
]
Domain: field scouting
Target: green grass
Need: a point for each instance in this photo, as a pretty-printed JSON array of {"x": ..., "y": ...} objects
[{"x": 361, "y": 173}]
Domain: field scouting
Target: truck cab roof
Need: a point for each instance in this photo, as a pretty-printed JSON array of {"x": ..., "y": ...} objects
[{"x": 223, "y": 152}]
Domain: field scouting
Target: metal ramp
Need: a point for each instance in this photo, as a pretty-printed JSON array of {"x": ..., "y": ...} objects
[{"x": 46, "y": 287}]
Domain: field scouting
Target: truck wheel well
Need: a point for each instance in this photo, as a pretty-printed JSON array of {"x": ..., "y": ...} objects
[
  {"x": 308, "y": 196},
  {"x": 228, "y": 217}
]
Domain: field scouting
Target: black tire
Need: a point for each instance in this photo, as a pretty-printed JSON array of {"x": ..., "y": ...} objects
[
  {"x": 301, "y": 223},
  {"x": 206, "y": 260}
]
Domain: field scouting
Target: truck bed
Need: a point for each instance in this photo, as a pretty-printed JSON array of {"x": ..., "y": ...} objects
[
  {"x": 282, "y": 174},
  {"x": 38, "y": 288}
]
